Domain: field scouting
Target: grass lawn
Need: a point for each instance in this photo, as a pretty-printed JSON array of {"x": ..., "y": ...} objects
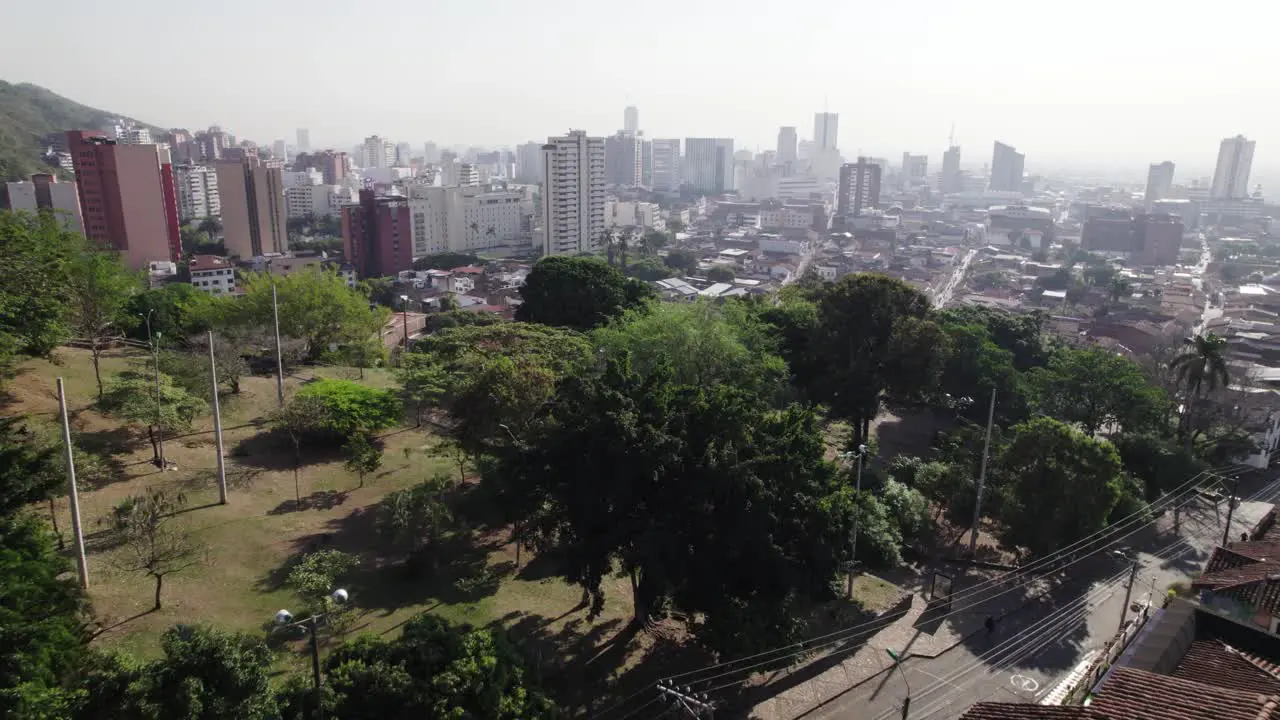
[{"x": 250, "y": 542}]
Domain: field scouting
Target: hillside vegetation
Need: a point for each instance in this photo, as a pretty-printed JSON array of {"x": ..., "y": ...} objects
[{"x": 28, "y": 113}]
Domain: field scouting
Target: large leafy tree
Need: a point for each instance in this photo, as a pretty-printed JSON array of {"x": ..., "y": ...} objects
[
  {"x": 1056, "y": 485},
  {"x": 975, "y": 366},
  {"x": 1020, "y": 333},
  {"x": 434, "y": 670},
  {"x": 34, "y": 254},
  {"x": 579, "y": 293},
  {"x": 132, "y": 396},
  {"x": 872, "y": 336},
  {"x": 315, "y": 306},
  {"x": 178, "y": 311},
  {"x": 349, "y": 407},
  {"x": 100, "y": 289},
  {"x": 1096, "y": 389}
]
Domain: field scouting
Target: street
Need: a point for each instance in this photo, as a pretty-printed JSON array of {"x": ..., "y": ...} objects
[
  {"x": 1032, "y": 650},
  {"x": 943, "y": 295}
]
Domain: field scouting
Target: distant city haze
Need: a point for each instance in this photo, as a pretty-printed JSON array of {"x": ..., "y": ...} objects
[{"x": 1087, "y": 84}]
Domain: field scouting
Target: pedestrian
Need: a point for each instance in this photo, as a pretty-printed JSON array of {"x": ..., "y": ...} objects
[{"x": 990, "y": 624}]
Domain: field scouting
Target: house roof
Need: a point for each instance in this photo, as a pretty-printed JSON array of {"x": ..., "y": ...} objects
[
  {"x": 469, "y": 270},
  {"x": 208, "y": 262},
  {"x": 1129, "y": 694},
  {"x": 1216, "y": 663},
  {"x": 1020, "y": 711},
  {"x": 1247, "y": 571}
]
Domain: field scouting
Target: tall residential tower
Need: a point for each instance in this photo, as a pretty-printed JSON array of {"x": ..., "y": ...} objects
[{"x": 573, "y": 181}]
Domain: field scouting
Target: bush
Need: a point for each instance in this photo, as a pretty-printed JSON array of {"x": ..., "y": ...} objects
[
  {"x": 350, "y": 407},
  {"x": 908, "y": 508}
]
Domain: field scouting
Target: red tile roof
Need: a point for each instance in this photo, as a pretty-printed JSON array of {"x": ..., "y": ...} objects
[
  {"x": 1129, "y": 694},
  {"x": 1215, "y": 663},
  {"x": 469, "y": 270},
  {"x": 208, "y": 262},
  {"x": 1257, "y": 584},
  {"x": 1020, "y": 711}
]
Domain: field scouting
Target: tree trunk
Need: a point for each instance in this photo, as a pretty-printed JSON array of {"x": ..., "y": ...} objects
[
  {"x": 155, "y": 445},
  {"x": 640, "y": 612},
  {"x": 297, "y": 463},
  {"x": 53, "y": 519},
  {"x": 362, "y": 372},
  {"x": 361, "y": 475},
  {"x": 515, "y": 538},
  {"x": 97, "y": 371},
  {"x": 159, "y": 583}
]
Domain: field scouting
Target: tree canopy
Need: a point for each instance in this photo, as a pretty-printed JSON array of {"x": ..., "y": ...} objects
[
  {"x": 579, "y": 293},
  {"x": 1097, "y": 388},
  {"x": 316, "y": 306}
]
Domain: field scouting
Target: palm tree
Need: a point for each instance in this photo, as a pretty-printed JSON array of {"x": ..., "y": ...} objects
[
  {"x": 608, "y": 239},
  {"x": 1201, "y": 367}
]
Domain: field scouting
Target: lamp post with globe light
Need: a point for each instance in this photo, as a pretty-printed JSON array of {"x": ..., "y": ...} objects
[{"x": 284, "y": 619}]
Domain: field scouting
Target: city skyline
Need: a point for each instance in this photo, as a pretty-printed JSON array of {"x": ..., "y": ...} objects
[{"x": 1102, "y": 109}]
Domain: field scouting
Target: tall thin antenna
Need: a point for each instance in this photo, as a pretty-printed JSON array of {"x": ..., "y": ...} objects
[{"x": 951, "y": 137}]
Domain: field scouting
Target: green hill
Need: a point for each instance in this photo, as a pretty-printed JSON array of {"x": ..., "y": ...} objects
[{"x": 28, "y": 113}]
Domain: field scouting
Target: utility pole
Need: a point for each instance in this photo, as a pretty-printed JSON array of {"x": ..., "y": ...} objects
[
  {"x": 695, "y": 705},
  {"x": 853, "y": 536},
  {"x": 217, "y": 426},
  {"x": 275, "y": 316},
  {"x": 1128, "y": 590},
  {"x": 982, "y": 476},
  {"x": 72, "y": 495},
  {"x": 1231, "y": 506},
  {"x": 155, "y": 350}
]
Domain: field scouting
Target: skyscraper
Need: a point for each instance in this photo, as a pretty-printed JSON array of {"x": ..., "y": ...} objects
[
  {"x": 377, "y": 153},
  {"x": 666, "y": 164},
  {"x": 127, "y": 197},
  {"x": 403, "y": 150},
  {"x": 377, "y": 235},
  {"x": 1159, "y": 182},
  {"x": 622, "y": 159},
  {"x": 1231, "y": 175},
  {"x": 787, "y": 149},
  {"x": 951, "y": 181},
  {"x": 573, "y": 181},
  {"x": 280, "y": 151},
  {"x": 253, "y": 207},
  {"x": 304, "y": 140},
  {"x": 826, "y": 129},
  {"x": 915, "y": 170},
  {"x": 1006, "y": 168},
  {"x": 646, "y": 162},
  {"x": 859, "y": 187},
  {"x": 708, "y": 164},
  {"x": 198, "y": 195},
  {"x": 631, "y": 120},
  {"x": 529, "y": 162},
  {"x": 45, "y": 194}
]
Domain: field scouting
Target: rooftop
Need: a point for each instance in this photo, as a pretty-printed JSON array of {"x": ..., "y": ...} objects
[{"x": 208, "y": 262}]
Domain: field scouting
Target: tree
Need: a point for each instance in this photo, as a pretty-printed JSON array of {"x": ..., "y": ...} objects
[
  {"x": 413, "y": 519},
  {"x": 42, "y": 617},
  {"x": 1056, "y": 485},
  {"x": 1202, "y": 366},
  {"x": 132, "y": 396},
  {"x": 35, "y": 251},
  {"x": 363, "y": 456},
  {"x": 1119, "y": 288},
  {"x": 579, "y": 293},
  {"x": 348, "y": 407},
  {"x": 315, "y": 306},
  {"x": 686, "y": 261},
  {"x": 424, "y": 382},
  {"x": 362, "y": 353},
  {"x": 720, "y": 274},
  {"x": 153, "y": 543},
  {"x": 1020, "y": 333},
  {"x": 1159, "y": 463},
  {"x": 653, "y": 241},
  {"x": 27, "y": 467},
  {"x": 177, "y": 311},
  {"x": 871, "y": 337},
  {"x": 975, "y": 366},
  {"x": 433, "y": 670},
  {"x": 1097, "y": 388},
  {"x": 318, "y": 574},
  {"x": 298, "y": 418},
  {"x": 100, "y": 288}
]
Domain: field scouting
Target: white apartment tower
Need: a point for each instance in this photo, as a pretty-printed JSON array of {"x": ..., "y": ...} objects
[
  {"x": 666, "y": 164},
  {"x": 197, "y": 187},
  {"x": 573, "y": 196},
  {"x": 304, "y": 140},
  {"x": 377, "y": 153},
  {"x": 708, "y": 164},
  {"x": 826, "y": 129},
  {"x": 787, "y": 147},
  {"x": 529, "y": 162},
  {"x": 631, "y": 120},
  {"x": 1231, "y": 175},
  {"x": 1159, "y": 182}
]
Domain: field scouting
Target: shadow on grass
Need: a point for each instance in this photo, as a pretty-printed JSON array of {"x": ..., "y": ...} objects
[
  {"x": 319, "y": 500},
  {"x": 103, "y": 629},
  {"x": 116, "y": 441},
  {"x": 272, "y": 449}
]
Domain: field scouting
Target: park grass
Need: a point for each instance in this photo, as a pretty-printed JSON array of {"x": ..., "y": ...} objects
[{"x": 250, "y": 542}]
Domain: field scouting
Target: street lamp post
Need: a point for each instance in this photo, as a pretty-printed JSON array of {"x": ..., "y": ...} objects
[
  {"x": 853, "y": 536},
  {"x": 284, "y": 619},
  {"x": 906, "y": 701},
  {"x": 404, "y": 319},
  {"x": 155, "y": 352}
]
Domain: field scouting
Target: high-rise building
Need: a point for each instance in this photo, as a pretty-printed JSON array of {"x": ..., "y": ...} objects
[
  {"x": 460, "y": 174},
  {"x": 631, "y": 120},
  {"x": 787, "y": 149},
  {"x": 951, "y": 182},
  {"x": 646, "y": 162},
  {"x": 280, "y": 151},
  {"x": 333, "y": 166},
  {"x": 377, "y": 153},
  {"x": 127, "y": 197},
  {"x": 622, "y": 159},
  {"x": 1159, "y": 182},
  {"x": 826, "y": 129},
  {"x": 403, "y": 151},
  {"x": 377, "y": 235},
  {"x": 212, "y": 143},
  {"x": 859, "y": 187},
  {"x": 304, "y": 140},
  {"x": 463, "y": 219},
  {"x": 1231, "y": 175},
  {"x": 1006, "y": 168},
  {"x": 572, "y": 193},
  {"x": 45, "y": 194},
  {"x": 431, "y": 152},
  {"x": 529, "y": 162},
  {"x": 253, "y": 207},
  {"x": 708, "y": 164},
  {"x": 666, "y": 164},
  {"x": 133, "y": 135},
  {"x": 198, "y": 196},
  {"x": 915, "y": 170}
]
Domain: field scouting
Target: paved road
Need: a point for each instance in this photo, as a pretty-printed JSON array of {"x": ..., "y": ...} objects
[
  {"x": 1032, "y": 650},
  {"x": 943, "y": 295}
]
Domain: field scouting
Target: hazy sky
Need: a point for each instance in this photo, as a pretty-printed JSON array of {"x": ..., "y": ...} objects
[{"x": 1114, "y": 83}]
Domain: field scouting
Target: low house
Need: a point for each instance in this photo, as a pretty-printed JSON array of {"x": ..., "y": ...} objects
[{"x": 212, "y": 274}]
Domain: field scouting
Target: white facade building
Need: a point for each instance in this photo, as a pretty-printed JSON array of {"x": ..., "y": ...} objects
[
  {"x": 197, "y": 190},
  {"x": 666, "y": 164},
  {"x": 573, "y": 194},
  {"x": 634, "y": 214},
  {"x": 377, "y": 153},
  {"x": 466, "y": 218},
  {"x": 318, "y": 200},
  {"x": 631, "y": 120},
  {"x": 826, "y": 131},
  {"x": 708, "y": 164},
  {"x": 529, "y": 162},
  {"x": 212, "y": 274},
  {"x": 296, "y": 178},
  {"x": 787, "y": 145},
  {"x": 460, "y": 174},
  {"x": 1231, "y": 174},
  {"x": 133, "y": 135},
  {"x": 790, "y": 217}
]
